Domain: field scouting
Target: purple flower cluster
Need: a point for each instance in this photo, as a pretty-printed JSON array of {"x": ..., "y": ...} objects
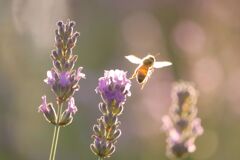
[
  {"x": 181, "y": 124},
  {"x": 114, "y": 87},
  {"x": 64, "y": 83},
  {"x": 63, "y": 78}
]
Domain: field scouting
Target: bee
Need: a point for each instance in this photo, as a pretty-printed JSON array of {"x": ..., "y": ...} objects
[{"x": 146, "y": 67}]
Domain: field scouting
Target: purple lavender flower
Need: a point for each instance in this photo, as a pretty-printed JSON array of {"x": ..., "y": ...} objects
[
  {"x": 114, "y": 87},
  {"x": 64, "y": 83},
  {"x": 63, "y": 80},
  {"x": 181, "y": 125}
]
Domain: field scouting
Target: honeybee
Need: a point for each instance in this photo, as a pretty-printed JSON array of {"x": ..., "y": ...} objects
[{"x": 146, "y": 67}]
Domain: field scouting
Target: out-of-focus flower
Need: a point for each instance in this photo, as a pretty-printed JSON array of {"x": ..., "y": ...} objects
[
  {"x": 181, "y": 124},
  {"x": 114, "y": 87}
]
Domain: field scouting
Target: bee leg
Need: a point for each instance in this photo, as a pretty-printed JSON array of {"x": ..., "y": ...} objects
[
  {"x": 134, "y": 75},
  {"x": 144, "y": 82},
  {"x": 150, "y": 72},
  {"x": 147, "y": 77}
]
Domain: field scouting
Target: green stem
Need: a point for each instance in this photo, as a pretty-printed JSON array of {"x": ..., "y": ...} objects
[
  {"x": 53, "y": 140},
  {"x": 100, "y": 158},
  {"x": 56, "y": 142},
  {"x": 56, "y": 134}
]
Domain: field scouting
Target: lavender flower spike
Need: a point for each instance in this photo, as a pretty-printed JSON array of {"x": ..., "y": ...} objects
[
  {"x": 181, "y": 124},
  {"x": 114, "y": 87},
  {"x": 63, "y": 80}
]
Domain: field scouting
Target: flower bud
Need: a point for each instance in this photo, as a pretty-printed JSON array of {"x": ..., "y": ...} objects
[
  {"x": 97, "y": 131},
  {"x": 103, "y": 108},
  {"x": 110, "y": 120},
  {"x": 116, "y": 134},
  {"x": 48, "y": 111},
  {"x": 57, "y": 65},
  {"x": 51, "y": 115},
  {"x": 66, "y": 118},
  {"x": 118, "y": 110}
]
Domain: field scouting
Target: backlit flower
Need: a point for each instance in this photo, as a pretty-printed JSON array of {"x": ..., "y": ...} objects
[{"x": 114, "y": 86}]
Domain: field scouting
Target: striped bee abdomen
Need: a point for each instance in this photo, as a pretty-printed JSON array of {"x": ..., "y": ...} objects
[{"x": 142, "y": 73}]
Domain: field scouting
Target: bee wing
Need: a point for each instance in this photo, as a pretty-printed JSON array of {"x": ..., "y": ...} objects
[
  {"x": 161, "y": 64},
  {"x": 133, "y": 59}
]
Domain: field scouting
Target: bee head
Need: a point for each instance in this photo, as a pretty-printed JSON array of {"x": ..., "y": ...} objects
[{"x": 149, "y": 60}]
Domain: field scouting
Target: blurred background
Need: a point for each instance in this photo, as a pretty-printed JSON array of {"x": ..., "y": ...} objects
[{"x": 201, "y": 38}]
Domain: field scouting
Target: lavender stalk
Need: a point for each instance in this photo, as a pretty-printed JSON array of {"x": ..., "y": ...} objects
[
  {"x": 181, "y": 124},
  {"x": 63, "y": 80},
  {"x": 113, "y": 87}
]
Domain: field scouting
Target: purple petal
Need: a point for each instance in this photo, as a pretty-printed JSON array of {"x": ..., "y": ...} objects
[
  {"x": 79, "y": 74},
  {"x": 50, "y": 77},
  {"x": 71, "y": 106},
  {"x": 43, "y": 107},
  {"x": 64, "y": 79}
]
